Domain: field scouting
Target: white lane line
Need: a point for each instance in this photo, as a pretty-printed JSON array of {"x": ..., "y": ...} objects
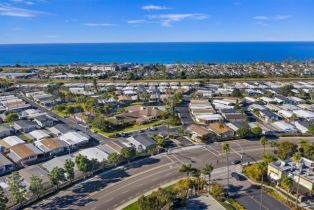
[
  {"x": 130, "y": 183},
  {"x": 175, "y": 157},
  {"x": 211, "y": 151}
]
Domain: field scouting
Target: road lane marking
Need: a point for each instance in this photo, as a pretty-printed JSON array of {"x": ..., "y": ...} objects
[
  {"x": 212, "y": 152},
  {"x": 130, "y": 183}
]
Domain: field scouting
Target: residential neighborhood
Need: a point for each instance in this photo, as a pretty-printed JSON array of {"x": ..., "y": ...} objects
[{"x": 44, "y": 126}]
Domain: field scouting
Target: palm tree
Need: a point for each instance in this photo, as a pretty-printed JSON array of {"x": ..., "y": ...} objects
[
  {"x": 186, "y": 168},
  {"x": 263, "y": 141},
  {"x": 274, "y": 145},
  {"x": 226, "y": 149},
  {"x": 196, "y": 173},
  {"x": 296, "y": 158},
  {"x": 286, "y": 184},
  {"x": 207, "y": 170}
]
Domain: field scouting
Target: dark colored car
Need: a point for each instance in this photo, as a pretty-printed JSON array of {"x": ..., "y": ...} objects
[
  {"x": 238, "y": 176},
  {"x": 235, "y": 162}
]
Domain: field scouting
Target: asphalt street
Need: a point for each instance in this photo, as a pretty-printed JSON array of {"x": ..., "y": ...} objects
[{"x": 116, "y": 187}]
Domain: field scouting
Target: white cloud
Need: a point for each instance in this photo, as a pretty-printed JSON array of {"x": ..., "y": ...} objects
[
  {"x": 261, "y": 18},
  {"x": 168, "y": 19},
  {"x": 136, "y": 21},
  {"x": 29, "y": 3},
  {"x": 8, "y": 10},
  {"x": 277, "y": 17},
  {"x": 154, "y": 7},
  {"x": 281, "y": 17},
  {"x": 99, "y": 24}
]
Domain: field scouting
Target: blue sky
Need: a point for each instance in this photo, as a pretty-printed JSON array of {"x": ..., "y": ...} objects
[{"x": 69, "y": 21}]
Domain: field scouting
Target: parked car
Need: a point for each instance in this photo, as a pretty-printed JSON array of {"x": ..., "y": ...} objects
[
  {"x": 235, "y": 162},
  {"x": 238, "y": 176}
]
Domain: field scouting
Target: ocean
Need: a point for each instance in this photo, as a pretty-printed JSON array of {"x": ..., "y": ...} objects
[{"x": 164, "y": 53}]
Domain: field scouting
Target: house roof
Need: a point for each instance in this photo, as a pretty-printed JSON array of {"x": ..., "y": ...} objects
[
  {"x": 74, "y": 137},
  {"x": 25, "y": 124},
  {"x": 50, "y": 144},
  {"x": 94, "y": 153},
  {"x": 12, "y": 141},
  {"x": 143, "y": 139},
  {"x": 39, "y": 134},
  {"x": 198, "y": 129},
  {"x": 24, "y": 150},
  {"x": 43, "y": 118},
  {"x": 5, "y": 128},
  {"x": 4, "y": 161},
  {"x": 219, "y": 128},
  {"x": 62, "y": 128}
]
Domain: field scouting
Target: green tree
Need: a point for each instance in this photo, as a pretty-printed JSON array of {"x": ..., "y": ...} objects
[
  {"x": 226, "y": 149},
  {"x": 186, "y": 168},
  {"x": 309, "y": 151},
  {"x": 311, "y": 129},
  {"x": 263, "y": 141},
  {"x": 114, "y": 158},
  {"x": 236, "y": 93},
  {"x": 216, "y": 190},
  {"x": 69, "y": 169},
  {"x": 3, "y": 199},
  {"x": 286, "y": 184},
  {"x": 16, "y": 188},
  {"x": 128, "y": 153},
  {"x": 207, "y": 170},
  {"x": 36, "y": 186},
  {"x": 83, "y": 164},
  {"x": 242, "y": 132},
  {"x": 181, "y": 132},
  {"x": 145, "y": 97},
  {"x": 95, "y": 85},
  {"x": 274, "y": 145},
  {"x": 286, "y": 149},
  {"x": 11, "y": 117},
  {"x": 257, "y": 131},
  {"x": 94, "y": 165},
  {"x": 177, "y": 98},
  {"x": 285, "y": 90},
  {"x": 160, "y": 141},
  {"x": 303, "y": 143},
  {"x": 56, "y": 176},
  {"x": 296, "y": 158},
  {"x": 267, "y": 158}
]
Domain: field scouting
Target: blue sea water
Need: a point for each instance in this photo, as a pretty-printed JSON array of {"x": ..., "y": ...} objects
[{"x": 166, "y": 53}]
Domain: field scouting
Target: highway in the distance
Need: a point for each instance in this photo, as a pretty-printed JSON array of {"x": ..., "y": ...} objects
[{"x": 114, "y": 188}]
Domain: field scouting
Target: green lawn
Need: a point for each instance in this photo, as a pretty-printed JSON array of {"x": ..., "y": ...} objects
[
  {"x": 133, "y": 206},
  {"x": 62, "y": 114},
  {"x": 9, "y": 123},
  {"x": 128, "y": 129},
  {"x": 25, "y": 138}
]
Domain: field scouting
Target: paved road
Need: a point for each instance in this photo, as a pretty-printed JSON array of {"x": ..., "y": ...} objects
[{"x": 113, "y": 188}]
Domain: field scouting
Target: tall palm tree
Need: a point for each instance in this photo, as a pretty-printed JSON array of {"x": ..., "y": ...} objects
[
  {"x": 226, "y": 149},
  {"x": 296, "y": 158},
  {"x": 186, "y": 168},
  {"x": 207, "y": 170},
  {"x": 263, "y": 141},
  {"x": 274, "y": 145}
]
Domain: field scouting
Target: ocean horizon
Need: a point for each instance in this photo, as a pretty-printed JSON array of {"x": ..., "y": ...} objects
[{"x": 155, "y": 52}]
